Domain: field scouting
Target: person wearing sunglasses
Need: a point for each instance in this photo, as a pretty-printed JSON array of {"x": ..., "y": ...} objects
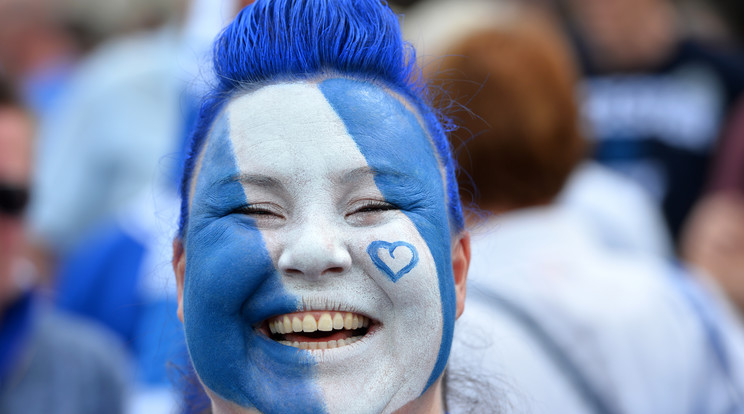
[
  {"x": 15, "y": 170},
  {"x": 49, "y": 363}
]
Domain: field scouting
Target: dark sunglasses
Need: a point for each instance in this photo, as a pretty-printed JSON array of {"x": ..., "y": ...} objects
[{"x": 13, "y": 199}]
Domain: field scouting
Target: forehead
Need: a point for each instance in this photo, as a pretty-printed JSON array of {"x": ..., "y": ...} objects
[{"x": 283, "y": 129}]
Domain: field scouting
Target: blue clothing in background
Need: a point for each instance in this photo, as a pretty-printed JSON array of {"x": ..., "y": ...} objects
[
  {"x": 103, "y": 280},
  {"x": 54, "y": 363},
  {"x": 100, "y": 280},
  {"x": 15, "y": 330}
]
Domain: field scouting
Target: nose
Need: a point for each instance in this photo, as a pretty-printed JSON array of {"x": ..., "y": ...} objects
[{"x": 314, "y": 250}]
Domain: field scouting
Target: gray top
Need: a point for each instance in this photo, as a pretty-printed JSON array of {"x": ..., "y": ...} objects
[{"x": 69, "y": 367}]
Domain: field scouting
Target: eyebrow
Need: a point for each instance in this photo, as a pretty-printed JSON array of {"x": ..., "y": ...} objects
[
  {"x": 360, "y": 173},
  {"x": 346, "y": 177},
  {"x": 258, "y": 180}
]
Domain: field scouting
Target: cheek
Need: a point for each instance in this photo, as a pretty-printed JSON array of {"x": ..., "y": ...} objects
[
  {"x": 227, "y": 264},
  {"x": 414, "y": 323},
  {"x": 401, "y": 263},
  {"x": 224, "y": 267},
  {"x": 423, "y": 298},
  {"x": 231, "y": 286}
]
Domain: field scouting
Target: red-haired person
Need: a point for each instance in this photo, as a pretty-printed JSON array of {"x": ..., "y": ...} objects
[{"x": 555, "y": 316}]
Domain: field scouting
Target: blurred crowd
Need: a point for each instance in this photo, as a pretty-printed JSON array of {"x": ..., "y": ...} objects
[
  {"x": 601, "y": 147},
  {"x": 97, "y": 98}
]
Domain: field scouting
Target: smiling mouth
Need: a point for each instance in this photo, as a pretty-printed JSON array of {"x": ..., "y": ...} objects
[{"x": 318, "y": 330}]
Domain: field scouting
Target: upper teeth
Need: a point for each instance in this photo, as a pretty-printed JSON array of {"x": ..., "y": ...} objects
[{"x": 326, "y": 322}]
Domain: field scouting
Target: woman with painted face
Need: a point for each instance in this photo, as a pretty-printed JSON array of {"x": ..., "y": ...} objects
[{"x": 321, "y": 259}]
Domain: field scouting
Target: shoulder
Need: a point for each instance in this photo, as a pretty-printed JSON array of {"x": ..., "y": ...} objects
[
  {"x": 71, "y": 366},
  {"x": 79, "y": 338},
  {"x": 627, "y": 329}
]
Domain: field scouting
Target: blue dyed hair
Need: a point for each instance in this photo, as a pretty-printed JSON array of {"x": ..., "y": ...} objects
[{"x": 273, "y": 41}]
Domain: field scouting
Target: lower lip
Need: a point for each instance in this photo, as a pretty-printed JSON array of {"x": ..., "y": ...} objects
[{"x": 321, "y": 346}]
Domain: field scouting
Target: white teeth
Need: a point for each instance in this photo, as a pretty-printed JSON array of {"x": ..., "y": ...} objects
[
  {"x": 309, "y": 324},
  {"x": 325, "y": 323},
  {"x": 338, "y": 321},
  {"x": 348, "y": 319},
  {"x": 296, "y": 324}
]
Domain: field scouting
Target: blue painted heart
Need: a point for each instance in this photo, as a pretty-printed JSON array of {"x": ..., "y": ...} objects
[{"x": 376, "y": 247}]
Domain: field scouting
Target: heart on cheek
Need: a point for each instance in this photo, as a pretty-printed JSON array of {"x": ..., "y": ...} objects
[{"x": 383, "y": 256}]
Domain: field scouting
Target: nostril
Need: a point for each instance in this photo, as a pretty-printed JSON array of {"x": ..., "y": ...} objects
[
  {"x": 334, "y": 270},
  {"x": 294, "y": 272},
  {"x": 329, "y": 271}
]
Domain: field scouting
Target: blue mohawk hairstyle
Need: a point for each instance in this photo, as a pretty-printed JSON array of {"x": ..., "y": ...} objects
[{"x": 272, "y": 41}]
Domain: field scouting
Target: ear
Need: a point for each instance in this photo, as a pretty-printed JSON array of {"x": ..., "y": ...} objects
[
  {"x": 179, "y": 268},
  {"x": 460, "y": 265}
]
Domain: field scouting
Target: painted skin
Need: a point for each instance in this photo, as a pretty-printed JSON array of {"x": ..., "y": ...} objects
[{"x": 295, "y": 183}]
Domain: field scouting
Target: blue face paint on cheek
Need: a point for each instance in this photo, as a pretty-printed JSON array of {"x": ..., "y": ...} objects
[
  {"x": 230, "y": 287},
  {"x": 379, "y": 251},
  {"x": 390, "y": 138}
]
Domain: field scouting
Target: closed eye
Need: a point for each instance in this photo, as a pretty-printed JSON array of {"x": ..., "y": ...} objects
[
  {"x": 260, "y": 211},
  {"x": 370, "y": 206},
  {"x": 368, "y": 212}
]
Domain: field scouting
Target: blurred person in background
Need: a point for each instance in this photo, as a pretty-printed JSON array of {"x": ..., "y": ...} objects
[
  {"x": 569, "y": 323},
  {"x": 50, "y": 363},
  {"x": 619, "y": 210},
  {"x": 114, "y": 211},
  {"x": 654, "y": 98},
  {"x": 89, "y": 160},
  {"x": 42, "y": 41},
  {"x": 713, "y": 238},
  {"x": 38, "y": 50}
]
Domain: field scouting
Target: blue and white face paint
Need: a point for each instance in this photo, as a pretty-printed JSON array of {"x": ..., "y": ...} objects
[{"x": 318, "y": 268}]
